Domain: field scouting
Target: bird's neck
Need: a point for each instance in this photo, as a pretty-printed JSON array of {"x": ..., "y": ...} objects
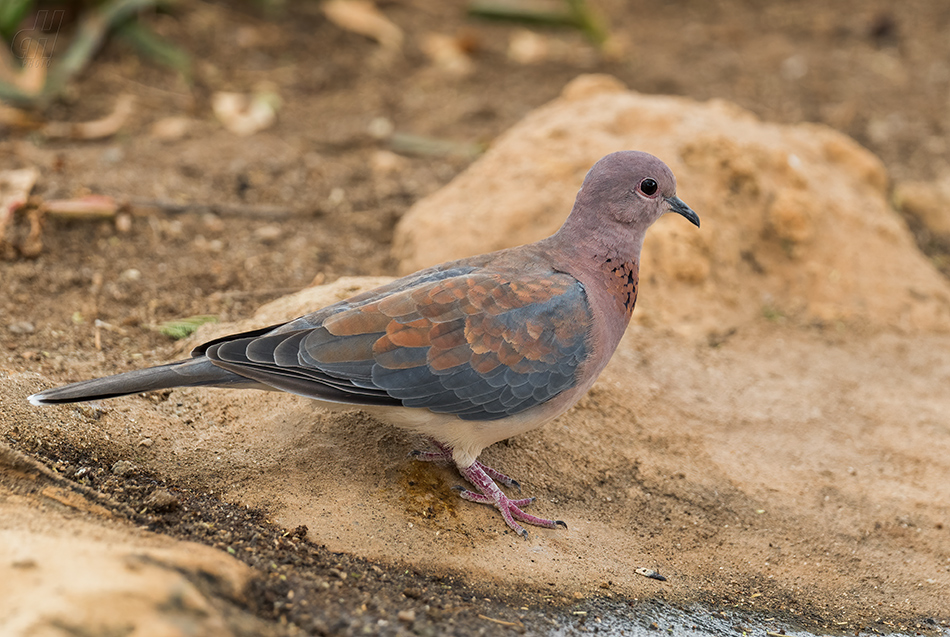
[{"x": 607, "y": 265}]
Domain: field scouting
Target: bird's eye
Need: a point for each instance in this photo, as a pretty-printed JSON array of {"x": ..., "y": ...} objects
[{"x": 649, "y": 187}]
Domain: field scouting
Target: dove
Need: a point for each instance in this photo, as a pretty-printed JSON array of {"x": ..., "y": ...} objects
[{"x": 467, "y": 353}]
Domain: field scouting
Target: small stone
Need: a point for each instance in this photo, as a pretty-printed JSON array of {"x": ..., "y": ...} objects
[
  {"x": 407, "y": 616},
  {"x": 130, "y": 275},
  {"x": 162, "y": 500},
  {"x": 123, "y": 222},
  {"x": 337, "y": 196},
  {"x": 112, "y": 155},
  {"x": 386, "y": 162},
  {"x": 269, "y": 233},
  {"x": 171, "y": 128},
  {"x": 381, "y": 128},
  {"x": 122, "y": 467},
  {"x": 21, "y": 327},
  {"x": 145, "y": 442},
  {"x": 213, "y": 222}
]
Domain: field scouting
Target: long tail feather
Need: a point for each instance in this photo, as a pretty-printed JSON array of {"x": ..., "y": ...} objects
[{"x": 194, "y": 372}]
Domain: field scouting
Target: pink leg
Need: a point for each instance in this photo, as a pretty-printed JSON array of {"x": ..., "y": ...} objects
[
  {"x": 444, "y": 456},
  {"x": 482, "y": 478},
  {"x": 510, "y": 509}
]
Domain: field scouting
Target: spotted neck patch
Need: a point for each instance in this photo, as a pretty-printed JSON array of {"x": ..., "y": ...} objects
[{"x": 623, "y": 278}]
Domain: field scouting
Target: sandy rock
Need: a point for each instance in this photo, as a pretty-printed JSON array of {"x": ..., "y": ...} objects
[
  {"x": 288, "y": 307},
  {"x": 928, "y": 202},
  {"x": 795, "y": 218},
  {"x": 67, "y": 567}
]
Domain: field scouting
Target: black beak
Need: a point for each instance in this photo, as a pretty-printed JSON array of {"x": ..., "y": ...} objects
[{"x": 680, "y": 208}]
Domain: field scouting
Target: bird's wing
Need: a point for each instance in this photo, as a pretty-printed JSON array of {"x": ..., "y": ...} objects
[{"x": 479, "y": 345}]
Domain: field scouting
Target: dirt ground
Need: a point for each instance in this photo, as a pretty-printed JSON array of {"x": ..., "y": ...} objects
[{"x": 306, "y": 200}]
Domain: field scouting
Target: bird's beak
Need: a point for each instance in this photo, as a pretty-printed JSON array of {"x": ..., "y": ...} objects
[{"x": 680, "y": 208}]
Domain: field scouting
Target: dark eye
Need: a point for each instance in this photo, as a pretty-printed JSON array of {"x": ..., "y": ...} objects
[{"x": 649, "y": 187}]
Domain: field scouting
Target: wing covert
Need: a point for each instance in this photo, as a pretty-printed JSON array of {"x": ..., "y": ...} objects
[{"x": 477, "y": 345}]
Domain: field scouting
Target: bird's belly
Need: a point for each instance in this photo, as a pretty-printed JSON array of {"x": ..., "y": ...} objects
[{"x": 468, "y": 437}]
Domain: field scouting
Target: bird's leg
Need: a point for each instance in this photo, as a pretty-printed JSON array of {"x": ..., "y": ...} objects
[
  {"x": 444, "y": 456},
  {"x": 489, "y": 493},
  {"x": 483, "y": 477}
]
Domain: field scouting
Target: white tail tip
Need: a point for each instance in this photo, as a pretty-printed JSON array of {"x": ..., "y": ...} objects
[{"x": 36, "y": 400}]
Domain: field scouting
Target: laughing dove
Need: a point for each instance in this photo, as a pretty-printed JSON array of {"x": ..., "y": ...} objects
[{"x": 469, "y": 352}]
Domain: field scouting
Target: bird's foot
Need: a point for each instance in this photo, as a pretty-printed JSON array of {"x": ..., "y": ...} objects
[
  {"x": 444, "y": 456},
  {"x": 489, "y": 493}
]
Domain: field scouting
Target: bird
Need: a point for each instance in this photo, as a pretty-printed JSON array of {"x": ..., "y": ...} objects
[{"x": 469, "y": 352}]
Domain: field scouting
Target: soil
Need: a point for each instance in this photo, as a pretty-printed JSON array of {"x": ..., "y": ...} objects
[{"x": 222, "y": 224}]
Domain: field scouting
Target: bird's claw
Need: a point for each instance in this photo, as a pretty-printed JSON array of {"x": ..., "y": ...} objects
[{"x": 487, "y": 492}]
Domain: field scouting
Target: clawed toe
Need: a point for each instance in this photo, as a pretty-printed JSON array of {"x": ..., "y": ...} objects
[{"x": 489, "y": 493}]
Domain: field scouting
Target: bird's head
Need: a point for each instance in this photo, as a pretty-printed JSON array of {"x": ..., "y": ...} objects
[{"x": 632, "y": 189}]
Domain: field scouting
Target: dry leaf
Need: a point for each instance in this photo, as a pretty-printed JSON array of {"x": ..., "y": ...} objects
[
  {"x": 16, "y": 118},
  {"x": 171, "y": 128},
  {"x": 245, "y": 114},
  {"x": 88, "y": 207},
  {"x": 15, "y": 187},
  {"x": 528, "y": 47},
  {"x": 96, "y": 129},
  {"x": 29, "y": 74},
  {"x": 448, "y": 53},
  {"x": 362, "y": 16}
]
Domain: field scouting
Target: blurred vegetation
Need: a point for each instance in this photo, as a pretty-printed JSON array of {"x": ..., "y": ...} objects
[
  {"x": 575, "y": 14},
  {"x": 30, "y": 74},
  {"x": 183, "y": 328},
  {"x": 12, "y": 13}
]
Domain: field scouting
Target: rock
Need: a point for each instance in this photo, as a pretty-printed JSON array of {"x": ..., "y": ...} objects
[
  {"x": 162, "y": 500},
  {"x": 21, "y": 327},
  {"x": 928, "y": 203},
  {"x": 171, "y": 128},
  {"x": 122, "y": 467},
  {"x": 92, "y": 575},
  {"x": 798, "y": 214},
  {"x": 268, "y": 233}
]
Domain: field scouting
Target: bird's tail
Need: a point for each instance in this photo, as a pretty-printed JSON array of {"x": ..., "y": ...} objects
[{"x": 194, "y": 372}]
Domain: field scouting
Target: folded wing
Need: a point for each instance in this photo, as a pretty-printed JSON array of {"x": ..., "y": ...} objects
[{"x": 477, "y": 345}]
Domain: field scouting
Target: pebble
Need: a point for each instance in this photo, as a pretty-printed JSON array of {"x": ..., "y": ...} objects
[
  {"x": 112, "y": 155},
  {"x": 162, "y": 500},
  {"x": 122, "y": 467},
  {"x": 269, "y": 233},
  {"x": 407, "y": 616},
  {"x": 21, "y": 327},
  {"x": 123, "y": 222}
]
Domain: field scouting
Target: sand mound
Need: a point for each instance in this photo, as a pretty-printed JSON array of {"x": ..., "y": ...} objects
[{"x": 796, "y": 220}]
